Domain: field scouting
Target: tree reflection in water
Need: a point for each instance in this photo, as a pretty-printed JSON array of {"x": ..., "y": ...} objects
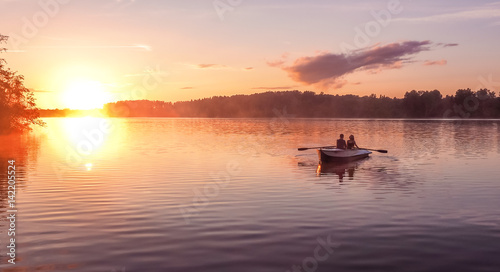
[{"x": 23, "y": 149}]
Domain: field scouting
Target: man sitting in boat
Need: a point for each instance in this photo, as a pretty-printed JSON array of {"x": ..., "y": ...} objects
[
  {"x": 341, "y": 142},
  {"x": 351, "y": 143}
]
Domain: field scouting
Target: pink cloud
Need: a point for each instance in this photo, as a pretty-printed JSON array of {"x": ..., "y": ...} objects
[
  {"x": 279, "y": 62},
  {"x": 436, "y": 62},
  {"x": 327, "y": 69},
  {"x": 211, "y": 65}
]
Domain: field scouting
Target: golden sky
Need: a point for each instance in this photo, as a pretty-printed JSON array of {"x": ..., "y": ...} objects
[{"x": 81, "y": 54}]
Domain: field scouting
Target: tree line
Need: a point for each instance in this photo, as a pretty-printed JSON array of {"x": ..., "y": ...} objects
[
  {"x": 17, "y": 104},
  {"x": 415, "y": 104}
]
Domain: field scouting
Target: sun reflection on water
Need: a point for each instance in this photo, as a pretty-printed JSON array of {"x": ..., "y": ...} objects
[
  {"x": 87, "y": 134},
  {"x": 81, "y": 142}
]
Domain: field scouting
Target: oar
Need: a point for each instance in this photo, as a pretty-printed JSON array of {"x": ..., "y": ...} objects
[
  {"x": 377, "y": 150},
  {"x": 306, "y": 148}
]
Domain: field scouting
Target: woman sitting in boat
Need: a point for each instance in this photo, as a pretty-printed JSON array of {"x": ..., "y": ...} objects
[
  {"x": 351, "y": 143},
  {"x": 341, "y": 142}
]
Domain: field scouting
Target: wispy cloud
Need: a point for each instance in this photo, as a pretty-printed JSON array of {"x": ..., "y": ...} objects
[
  {"x": 211, "y": 66},
  {"x": 187, "y": 88},
  {"x": 279, "y": 62},
  {"x": 435, "y": 62},
  {"x": 484, "y": 12},
  {"x": 326, "y": 70},
  {"x": 216, "y": 66}
]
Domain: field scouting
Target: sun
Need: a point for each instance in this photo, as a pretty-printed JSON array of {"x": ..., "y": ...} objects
[{"x": 85, "y": 95}]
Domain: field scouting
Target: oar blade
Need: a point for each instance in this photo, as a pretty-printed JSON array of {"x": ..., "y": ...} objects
[{"x": 376, "y": 150}]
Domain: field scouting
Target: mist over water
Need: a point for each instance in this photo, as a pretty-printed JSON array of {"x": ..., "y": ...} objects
[{"x": 158, "y": 194}]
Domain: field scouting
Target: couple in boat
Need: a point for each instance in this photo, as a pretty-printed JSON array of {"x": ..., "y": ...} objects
[{"x": 341, "y": 143}]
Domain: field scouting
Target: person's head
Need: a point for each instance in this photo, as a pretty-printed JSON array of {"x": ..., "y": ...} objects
[
  {"x": 351, "y": 137},
  {"x": 341, "y": 136}
]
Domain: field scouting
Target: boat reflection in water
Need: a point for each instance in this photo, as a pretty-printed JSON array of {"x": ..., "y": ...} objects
[{"x": 339, "y": 168}]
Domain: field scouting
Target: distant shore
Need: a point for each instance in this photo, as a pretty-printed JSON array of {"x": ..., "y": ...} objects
[{"x": 481, "y": 104}]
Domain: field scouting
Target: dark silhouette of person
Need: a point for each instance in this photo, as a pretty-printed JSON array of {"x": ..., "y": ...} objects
[
  {"x": 351, "y": 143},
  {"x": 340, "y": 173},
  {"x": 341, "y": 142}
]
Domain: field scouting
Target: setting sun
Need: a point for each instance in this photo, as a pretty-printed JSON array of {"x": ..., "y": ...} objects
[{"x": 85, "y": 95}]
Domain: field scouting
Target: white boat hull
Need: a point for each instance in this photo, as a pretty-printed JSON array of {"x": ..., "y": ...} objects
[{"x": 341, "y": 155}]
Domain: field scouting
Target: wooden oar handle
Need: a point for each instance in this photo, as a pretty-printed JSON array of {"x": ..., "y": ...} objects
[{"x": 306, "y": 148}]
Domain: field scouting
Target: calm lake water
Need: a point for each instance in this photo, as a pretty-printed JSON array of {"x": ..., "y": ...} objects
[{"x": 153, "y": 194}]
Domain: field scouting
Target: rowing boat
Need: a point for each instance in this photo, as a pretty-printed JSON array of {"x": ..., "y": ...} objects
[{"x": 341, "y": 155}]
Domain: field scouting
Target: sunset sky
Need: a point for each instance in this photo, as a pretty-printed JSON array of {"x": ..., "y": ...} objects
[{"x": 81, "y": 54}]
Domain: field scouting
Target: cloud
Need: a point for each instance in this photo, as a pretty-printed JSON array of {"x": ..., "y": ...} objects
[
  {"x": 435, "y": 62},
  {"x": 206, "y": 65},
  {"x": 276, "y": 63},
  {"x": 215, "y": 66},
  {"x": 280, "y": 62},
  {"x": 327, "y": 69},
  {"x": 446, "y": 44},
  {"x": 485, "y": 12},
  {"x": 211, "y": 66},
  {"x": 187, "y": 88}
]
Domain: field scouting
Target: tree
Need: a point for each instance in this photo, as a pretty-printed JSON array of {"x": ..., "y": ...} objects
[
  {"x": 432, "y": 103},
  {"x": 462, "y": 94},
  {"x": 17, "y": 105},
  {"x": 422, "y": 104},
  {"x": 413, "y": 104}
]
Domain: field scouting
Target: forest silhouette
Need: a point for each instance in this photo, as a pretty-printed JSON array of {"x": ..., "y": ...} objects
[{"x": 415, "y": 104}]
